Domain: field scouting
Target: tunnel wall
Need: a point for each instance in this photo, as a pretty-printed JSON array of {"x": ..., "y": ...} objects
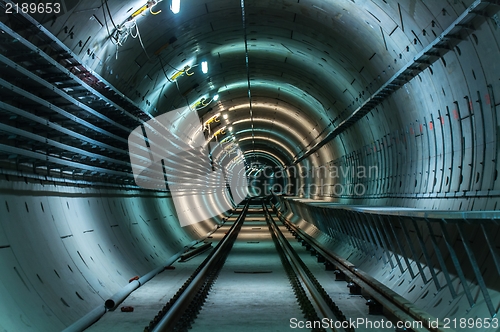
[
  {"x": 323, "y": 224},
  {"x": 64, "y": 250},
  {"x": 435, "y": 140}
]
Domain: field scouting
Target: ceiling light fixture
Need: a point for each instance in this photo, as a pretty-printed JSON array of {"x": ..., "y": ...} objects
[
  {"x": 175, "y": 7},
  {"x": 204, "y": 67}
]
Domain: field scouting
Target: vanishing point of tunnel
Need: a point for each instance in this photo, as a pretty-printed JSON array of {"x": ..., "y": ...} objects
[{"x": 249, "y": 165}]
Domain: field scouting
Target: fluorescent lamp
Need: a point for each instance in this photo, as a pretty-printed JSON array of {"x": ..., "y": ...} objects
[
  {"x": 204, "y": 67},
  {"x": 175, "y": 7},
  {"x": 225, "y": 116},
  {"x": 230, "y": 128}
]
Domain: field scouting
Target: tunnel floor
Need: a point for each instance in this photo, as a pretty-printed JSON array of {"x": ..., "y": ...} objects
[
  {"x": 251, "y": 293},
  {"x": 148, "y": 299}
]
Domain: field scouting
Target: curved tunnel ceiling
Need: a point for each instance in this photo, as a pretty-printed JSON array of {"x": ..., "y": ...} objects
[
  {"x": 316, "y": 61},
  {"x": 295, "y": 78},
  {"x": 312, "y": 60}
]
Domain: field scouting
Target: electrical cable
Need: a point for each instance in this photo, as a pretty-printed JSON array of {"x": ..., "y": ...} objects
[
  {"x": 116, "y": 43},
  {"x": 127, "y": 29},
  {"x": 176, "y": 83},
  {"x": 168, "y": 64},
  {"x": 110, "y": 16},
  {"x": 151, "y": 9},
  {"x": 138, "y": 35},
  {"x": 106, "y": 22},
  {"x": 164, "y": 71},
  {"x": 243, "y": 16}
]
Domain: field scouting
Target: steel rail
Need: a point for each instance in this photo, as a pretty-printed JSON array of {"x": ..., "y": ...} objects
[
  {"x": 320, "y": 299},
  {"x": 397, "y": 305},
  {"x": 178, "y": 308}
]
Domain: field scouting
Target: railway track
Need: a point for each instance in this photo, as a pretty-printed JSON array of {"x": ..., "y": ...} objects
[{"x": 307, "y": 301}]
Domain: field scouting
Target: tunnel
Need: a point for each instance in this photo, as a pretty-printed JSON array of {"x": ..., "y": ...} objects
[{"x": 134, "y": 132}]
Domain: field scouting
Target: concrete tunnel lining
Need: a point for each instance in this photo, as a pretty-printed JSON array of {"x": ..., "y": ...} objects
[{"x": 72, "y": 210}]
